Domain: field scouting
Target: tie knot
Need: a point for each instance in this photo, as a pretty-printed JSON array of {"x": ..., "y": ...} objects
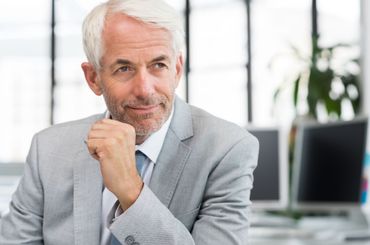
[{"x": 140, "y": 159}]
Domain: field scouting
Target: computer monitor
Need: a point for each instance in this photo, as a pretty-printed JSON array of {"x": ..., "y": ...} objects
[
  {"x": 270, "y": 187},
  {"x": 328, "y": 165}
]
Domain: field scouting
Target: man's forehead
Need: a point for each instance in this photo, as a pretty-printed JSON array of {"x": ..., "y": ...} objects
[
  {"x": 121, "y": 29},
  {"x": 122, "y": 22}
]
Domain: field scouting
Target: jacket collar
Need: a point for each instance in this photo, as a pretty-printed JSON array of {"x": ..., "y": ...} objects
[{"x": 174, "y": 154}]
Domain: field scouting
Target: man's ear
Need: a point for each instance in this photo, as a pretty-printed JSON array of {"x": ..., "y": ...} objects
[
  {"x": 91, "y": 77},
  {"x": 179, "y": 68}
]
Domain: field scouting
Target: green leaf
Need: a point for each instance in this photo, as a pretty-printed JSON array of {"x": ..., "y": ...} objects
[
  {"x": 320, "y": 79},
  {"x": 333, "y": 106},
  {"x": 296, "y": 90}
]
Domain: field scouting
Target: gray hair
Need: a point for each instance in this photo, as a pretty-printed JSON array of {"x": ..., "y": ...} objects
[{"x": 155, "y": 12}]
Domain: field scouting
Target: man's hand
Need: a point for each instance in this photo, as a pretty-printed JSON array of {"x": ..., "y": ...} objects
[{"x": 112, "y": 143}]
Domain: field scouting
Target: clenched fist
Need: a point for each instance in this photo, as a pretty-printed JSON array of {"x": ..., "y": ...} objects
[{"x": 112, "y": 143}]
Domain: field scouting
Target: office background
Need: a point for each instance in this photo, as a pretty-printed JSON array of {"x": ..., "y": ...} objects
[
  {"x": 234, "y": 51},
  {"x": 239, "y": 53}
]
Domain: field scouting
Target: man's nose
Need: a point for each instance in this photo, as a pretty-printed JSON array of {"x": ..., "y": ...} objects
[{"x": 143, "y": 83}]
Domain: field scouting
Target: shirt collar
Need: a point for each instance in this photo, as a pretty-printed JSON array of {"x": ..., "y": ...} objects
[{"x": 152, "y": 146}]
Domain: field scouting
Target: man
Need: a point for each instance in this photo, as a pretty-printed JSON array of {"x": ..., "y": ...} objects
[{"x": 81, "y": 185}]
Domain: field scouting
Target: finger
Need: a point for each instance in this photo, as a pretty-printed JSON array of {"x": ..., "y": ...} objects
[
  {"x": 95, "y": 156},
  {"x": 105, "y": 122},
  {"x": 92, "y": 146},
  {"x": 99, "y": 134},
  {"x": 104, "y": 126},
  {"x": 110, "y": 128},
  {"x": 112, "y": 132},
  {"x": 111, "y": 122},
  {"x": 101, "y": 125}
]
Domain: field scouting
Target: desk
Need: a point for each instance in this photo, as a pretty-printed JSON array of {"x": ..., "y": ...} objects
[
  {"x": 287, "y": 236},
  {"x": 293, "y": 241},
  {"x": 313, "y": 230},
  {"x": 328, "y": 235}
]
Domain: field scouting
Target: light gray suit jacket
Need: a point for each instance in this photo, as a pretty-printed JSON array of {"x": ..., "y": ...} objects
[{"x": 198, "y": 194}]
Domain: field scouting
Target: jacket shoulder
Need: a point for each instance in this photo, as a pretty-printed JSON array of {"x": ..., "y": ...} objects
[
  {"x": 219, "y": 130},
  {"x": 59, "y": 138},
  {"x": 77, "y": 124}
]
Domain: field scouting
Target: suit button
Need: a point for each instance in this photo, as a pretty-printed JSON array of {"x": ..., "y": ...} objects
[{"x": 130, "y": 240}]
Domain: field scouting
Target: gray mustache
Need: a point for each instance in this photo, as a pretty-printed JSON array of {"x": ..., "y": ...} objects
[{"x": 145, "y": 101}]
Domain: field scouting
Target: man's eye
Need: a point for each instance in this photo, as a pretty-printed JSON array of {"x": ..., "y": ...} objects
[
  {"x": 124, "y": 69},
  {"x": 160, "y": 65}
]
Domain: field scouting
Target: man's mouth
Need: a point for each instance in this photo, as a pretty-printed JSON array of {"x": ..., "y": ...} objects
[{"x": 143, "y": 109}]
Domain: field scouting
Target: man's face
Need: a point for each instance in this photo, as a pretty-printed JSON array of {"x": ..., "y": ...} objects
[{"x": 139, "y": 74}]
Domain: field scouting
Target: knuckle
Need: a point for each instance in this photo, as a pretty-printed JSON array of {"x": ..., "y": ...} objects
[
  {"x": 94, "y": 126},
  {"x": 130, "y": 130},
  {"x": 126, "y": 129},
  {"x": 97, "y": 122},
  {"x": 110, "y": 141},
  {"x": 89, "y": 135}
]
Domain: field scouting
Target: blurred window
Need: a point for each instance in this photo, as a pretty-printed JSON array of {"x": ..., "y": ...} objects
[
  {"x": 25, "y": 75},
  {"x": 218, "y": 57},
  {"x": 218, "y": 60}
]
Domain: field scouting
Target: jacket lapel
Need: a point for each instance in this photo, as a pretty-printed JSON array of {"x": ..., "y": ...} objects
[
  {"x": 88, "y": 182},
  {"x": 174, "y": 154},
  {"x": 88, "y": 185}
]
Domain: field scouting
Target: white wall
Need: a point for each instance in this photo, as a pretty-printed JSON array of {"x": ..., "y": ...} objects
[
  {"x": 365, "y": 47},
  {"x": 365, "y": 51}
]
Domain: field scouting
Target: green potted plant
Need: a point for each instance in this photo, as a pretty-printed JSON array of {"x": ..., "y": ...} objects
[{"x": 326, "y": 87}]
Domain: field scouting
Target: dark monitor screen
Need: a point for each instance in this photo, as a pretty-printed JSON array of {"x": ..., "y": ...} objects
[
  {"x": 328, "y": 165},
  {"x": 270, "y": 177}
]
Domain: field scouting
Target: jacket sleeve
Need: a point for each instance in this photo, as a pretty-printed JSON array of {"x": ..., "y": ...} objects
[
  {"x": 222, "y": 218},
  {"x": 23, "y": 223}
]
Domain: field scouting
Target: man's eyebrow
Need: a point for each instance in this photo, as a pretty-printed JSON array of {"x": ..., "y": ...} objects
[
  {"x": 127, "y": 62},
  {"x": 120, "y": 62},
  {"x": 160, "y": 58},
  {"x": 123, "y": 61}
]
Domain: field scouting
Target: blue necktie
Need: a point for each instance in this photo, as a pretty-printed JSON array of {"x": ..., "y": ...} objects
[
  {"x": 140, "y": 159},
  {"x": 114, "y": 241}
]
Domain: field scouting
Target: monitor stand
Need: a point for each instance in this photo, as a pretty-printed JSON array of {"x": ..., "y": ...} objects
[
  {"x": 352, "y": 220},
  {"x": 266, "y": 219}
]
